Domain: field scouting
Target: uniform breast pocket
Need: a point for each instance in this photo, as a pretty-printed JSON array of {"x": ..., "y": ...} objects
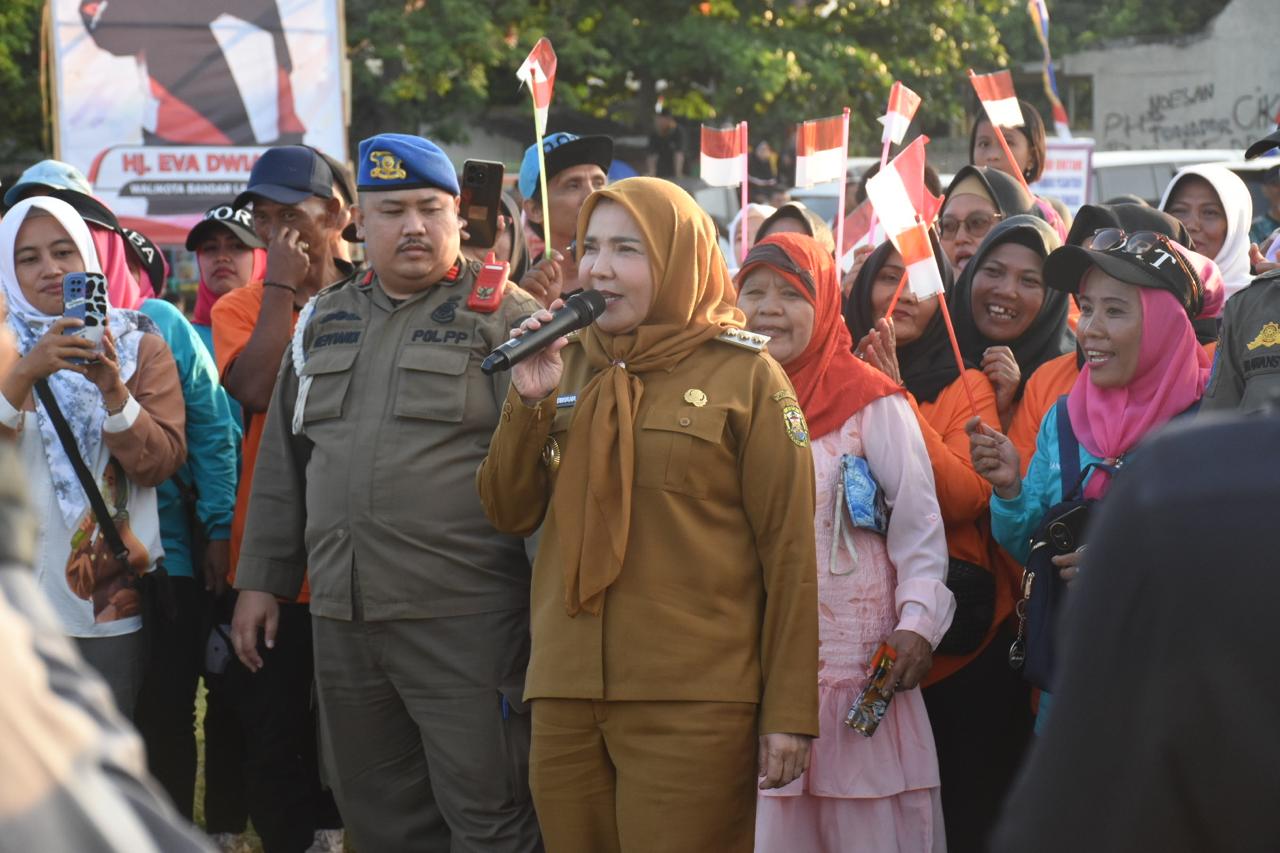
[
  {"x": 330, "y": 372},
  {"x": 676, "y": 449},
  {"x": 432, "y": 385}
]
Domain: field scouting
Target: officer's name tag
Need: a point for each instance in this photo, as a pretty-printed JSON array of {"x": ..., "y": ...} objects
[{"x": 566, "y": 401}]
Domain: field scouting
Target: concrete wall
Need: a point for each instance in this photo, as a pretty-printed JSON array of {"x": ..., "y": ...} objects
[{"x": 1216, "y": 89}]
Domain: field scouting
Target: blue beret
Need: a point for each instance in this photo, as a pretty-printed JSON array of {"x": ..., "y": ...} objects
[{"x": 398, "y": 161}]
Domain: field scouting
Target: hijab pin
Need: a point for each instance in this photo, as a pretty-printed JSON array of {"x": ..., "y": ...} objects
[{"x": 695, "y": 397}]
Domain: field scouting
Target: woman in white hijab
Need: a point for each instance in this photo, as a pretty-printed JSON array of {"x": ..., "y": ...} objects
[
  {"x": 1217, "y": 209},
  {"x": 124, "y": 407}
]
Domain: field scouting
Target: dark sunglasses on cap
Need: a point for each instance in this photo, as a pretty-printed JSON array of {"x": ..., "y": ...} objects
[
  {"x": 977, "y": 224},
  {"x": 1150, "y": 246}
]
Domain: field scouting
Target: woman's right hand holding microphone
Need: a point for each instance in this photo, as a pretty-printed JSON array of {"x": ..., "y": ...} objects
[{"x": 537, "y": 376}]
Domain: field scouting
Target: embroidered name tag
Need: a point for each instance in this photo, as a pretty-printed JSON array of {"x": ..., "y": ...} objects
[{"x": 566, "y": 401}]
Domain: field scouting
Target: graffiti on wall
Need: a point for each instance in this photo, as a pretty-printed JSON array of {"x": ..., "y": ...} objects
[{"x": 1197, "y": 116}]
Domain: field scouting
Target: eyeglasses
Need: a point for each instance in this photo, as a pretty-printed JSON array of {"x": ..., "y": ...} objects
[
  {"x": 977, "y": 224},
  {"x": 1151, "y": 247}
]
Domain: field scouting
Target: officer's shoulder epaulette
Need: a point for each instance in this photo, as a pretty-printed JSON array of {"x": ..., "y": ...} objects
[
  {"x": 359, "y": 278},
  {"x": 743, "y": 338}
]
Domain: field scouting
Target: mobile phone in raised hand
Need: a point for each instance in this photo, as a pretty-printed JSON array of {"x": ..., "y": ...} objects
[
  {"x": 84, "y": 296},
  {"x": 481, "y": 201}
]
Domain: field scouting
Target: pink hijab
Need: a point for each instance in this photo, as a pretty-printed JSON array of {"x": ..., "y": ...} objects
[
  {"x": 1173, "y": 370},
  {"x": 123, "y": 289},
  {"x": 205, "y": 297}
]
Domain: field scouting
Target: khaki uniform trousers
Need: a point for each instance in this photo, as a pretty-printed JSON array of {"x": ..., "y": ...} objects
[
  {"x": 426, "y": 743},
  {"x": 657, "y": 777}
]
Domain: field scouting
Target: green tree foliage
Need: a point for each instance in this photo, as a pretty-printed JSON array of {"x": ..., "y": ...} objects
[
  {"x": 771, "y": 63},
  {"x": 21, "y": 113}
]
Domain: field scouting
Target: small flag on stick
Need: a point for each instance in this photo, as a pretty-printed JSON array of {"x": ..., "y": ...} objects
[
  {"x": 821, "y": 151},
  {"x": 538, "y": 72},
  {"x": 998, "y": 98},
  {"x": 895, "y": 192},
  {"x": 903, "y": 104},
  {"x": 724, "y": 156}
]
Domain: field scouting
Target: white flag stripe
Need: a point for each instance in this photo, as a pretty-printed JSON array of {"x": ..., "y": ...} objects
[
  {"x": 924, "y": 279},
  {"x": 891, "y": 201},
  {"x": 820, "y": 167},
  {"x": 723, "y": 171},
  {"x": 895, "y": 127},
  {"x": 1004, "y": 113}
]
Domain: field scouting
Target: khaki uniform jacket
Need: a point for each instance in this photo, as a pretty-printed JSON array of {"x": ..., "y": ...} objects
[
  {"x": 717, "y": 599},
  {"x": 376, "y": 498},
  {"x": 1246, "y": 369}
]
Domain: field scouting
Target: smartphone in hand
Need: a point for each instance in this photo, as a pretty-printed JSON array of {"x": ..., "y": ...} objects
[
  {"x": 84, "y": 296},
  {"x": 481, "y": 201}
]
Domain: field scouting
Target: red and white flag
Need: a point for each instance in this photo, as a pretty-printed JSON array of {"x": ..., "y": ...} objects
[
  {"x": 998, "y": 98},
  {"x": 895, "y": 192},
  {"x": 903, "y": 104},
  {"x": 724, "y": 156},
  {"x": 858, "y": 233},
  {"x": 821, "y": 151},
  {"x": 538, "y": 72}
]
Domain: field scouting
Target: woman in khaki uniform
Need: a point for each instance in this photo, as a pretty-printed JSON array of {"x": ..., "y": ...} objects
[{"x": 674, "y": 606}]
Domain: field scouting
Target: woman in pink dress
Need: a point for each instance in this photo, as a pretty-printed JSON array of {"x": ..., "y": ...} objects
[{"x": 878, "y": 794}]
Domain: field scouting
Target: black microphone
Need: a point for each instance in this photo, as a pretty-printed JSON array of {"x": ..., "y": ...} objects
[{"x": 578, "y": 312}]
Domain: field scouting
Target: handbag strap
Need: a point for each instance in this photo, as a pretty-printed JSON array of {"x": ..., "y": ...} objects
[
  {"x": 1068, "y": 447},
  {"x": 106, "y": 523}
]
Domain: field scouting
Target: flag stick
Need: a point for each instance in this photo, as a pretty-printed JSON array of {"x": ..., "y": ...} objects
[
  {"x": 893, "y": 303},
  {"x": 844, "y": 183},
  {"x": 955, "y": 349},
  {"x": 542, "y": 178},
  {"x": 746, "y": 180},
  {"x": 884, "y": 161}
]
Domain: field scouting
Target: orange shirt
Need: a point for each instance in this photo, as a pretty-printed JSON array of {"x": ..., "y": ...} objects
[
  {"x": 234, "y": 318},
  {"x": 963, "y": 495},
  {"x": 1050, "y": 381}
]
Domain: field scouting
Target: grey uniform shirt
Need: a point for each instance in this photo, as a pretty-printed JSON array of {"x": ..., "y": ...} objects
[
  {"x": 1246, "y": 368},
  {"x": 375, "y": 500}
]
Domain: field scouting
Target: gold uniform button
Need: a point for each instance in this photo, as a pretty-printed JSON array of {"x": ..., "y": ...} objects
[
  {"x": 685, "y": 422},
  {"x": 695, "y": 397}
]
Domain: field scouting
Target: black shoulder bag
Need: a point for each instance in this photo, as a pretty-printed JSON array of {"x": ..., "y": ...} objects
[
  {"x": 1061, "y": 531},
  {"x": 157, "y": 596}
]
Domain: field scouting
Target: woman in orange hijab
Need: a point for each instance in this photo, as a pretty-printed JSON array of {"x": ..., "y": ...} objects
[{"x": 674, "y": 608}]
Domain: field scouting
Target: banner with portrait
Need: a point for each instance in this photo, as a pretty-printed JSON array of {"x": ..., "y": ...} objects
[{"x": 166, "y": 106}]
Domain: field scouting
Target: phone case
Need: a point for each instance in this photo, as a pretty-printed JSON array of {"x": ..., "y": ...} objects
[
  {"x": 481, "y": 201},
  {"x": 84, "y": 296}
]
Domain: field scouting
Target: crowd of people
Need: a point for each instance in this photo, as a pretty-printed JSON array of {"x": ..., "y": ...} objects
[{"x": 631, "y": 594}]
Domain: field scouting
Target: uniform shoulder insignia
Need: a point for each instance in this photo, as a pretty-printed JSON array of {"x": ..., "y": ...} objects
[
  {"x": 744, "y": 339},
  {"x": 360, "y": 278}
]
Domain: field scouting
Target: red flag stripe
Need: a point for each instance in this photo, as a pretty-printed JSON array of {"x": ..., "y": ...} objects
[
  {"x": 722, "y": 144},
  {"x": 903, "y": 101},
  {"x": 997, "y": 86},
  {"x": 914, "y": 245},
  {"x": 821, "y": 134}
]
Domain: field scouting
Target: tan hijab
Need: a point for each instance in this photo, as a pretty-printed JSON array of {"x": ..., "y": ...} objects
[{"x": 693, "y": 301}]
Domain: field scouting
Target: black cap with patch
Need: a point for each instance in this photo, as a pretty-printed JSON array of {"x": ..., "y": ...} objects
[
  {"x": 1154, "y": 262},
  {"x": 235, "y": 219}
]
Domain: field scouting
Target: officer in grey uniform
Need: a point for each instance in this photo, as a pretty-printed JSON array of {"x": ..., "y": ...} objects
[
  {"x": 1246, "y": 366},
  {"x": 365, "y": 483}
]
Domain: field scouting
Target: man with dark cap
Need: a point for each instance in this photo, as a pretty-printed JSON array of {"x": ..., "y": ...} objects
[
  {"x": 577, "y": 166},
  {"x": 297, "y": 213},
  {"x": 365, "y": 485}
]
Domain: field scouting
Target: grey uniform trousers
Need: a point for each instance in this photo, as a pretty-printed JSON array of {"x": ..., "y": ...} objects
[{"x": 425, "y": 739}]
